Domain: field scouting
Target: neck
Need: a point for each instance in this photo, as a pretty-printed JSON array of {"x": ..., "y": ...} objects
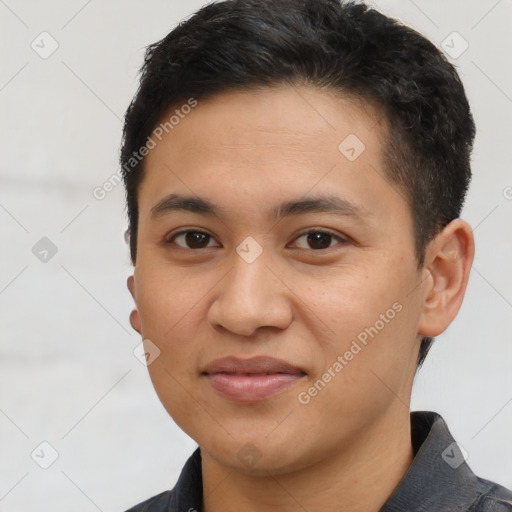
[{"x": 360, "y": 478}]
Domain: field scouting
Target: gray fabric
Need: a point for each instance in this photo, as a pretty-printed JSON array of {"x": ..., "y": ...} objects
[{"x": 438, "y": 480}]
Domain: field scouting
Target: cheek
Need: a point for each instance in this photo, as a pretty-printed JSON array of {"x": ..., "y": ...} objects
[
  {"x": 362, "y": 373},
  {"x": 369, "y": 315},
  {"x": 167, "y": 299},
  {"x": 343, "y": 303},
  {"x": 170, "y": 307}
]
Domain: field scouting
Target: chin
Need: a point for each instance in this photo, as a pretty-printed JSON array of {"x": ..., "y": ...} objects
[{"x": 258, "y": 455}]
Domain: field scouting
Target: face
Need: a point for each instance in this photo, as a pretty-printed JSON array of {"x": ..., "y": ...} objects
[{"x": 276, "y": 278}]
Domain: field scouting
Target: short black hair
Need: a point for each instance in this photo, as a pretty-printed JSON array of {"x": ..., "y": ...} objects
[{"x": 340, "y": 46}]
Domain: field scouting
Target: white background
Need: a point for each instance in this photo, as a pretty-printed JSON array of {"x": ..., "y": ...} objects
[{"x": 68, "y": 374}]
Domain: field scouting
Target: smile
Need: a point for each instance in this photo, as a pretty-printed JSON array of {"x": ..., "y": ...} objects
[{"x": 251, "y": 380}]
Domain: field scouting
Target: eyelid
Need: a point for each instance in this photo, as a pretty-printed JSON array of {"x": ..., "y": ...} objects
[
  {"x": 340, "y": 237},
  {"x": 169, "y": 238},
  {"x": 343, "y": 239}
]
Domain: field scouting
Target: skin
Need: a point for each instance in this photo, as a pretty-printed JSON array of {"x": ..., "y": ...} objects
[{"x": 247, "y": 152}]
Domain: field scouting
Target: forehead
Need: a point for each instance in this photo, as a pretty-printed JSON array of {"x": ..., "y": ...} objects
[
  {"x": 301, "y": 119},
  {"x": 266, "y": 144}
]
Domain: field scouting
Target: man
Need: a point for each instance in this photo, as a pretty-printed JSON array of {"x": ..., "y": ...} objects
[{"x": 295, "y": 171}]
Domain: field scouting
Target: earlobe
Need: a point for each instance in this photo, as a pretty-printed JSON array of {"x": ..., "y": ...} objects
[
  {"x": 448, "y": 260},
  {"x": 135, "y": 320},
  {"x": 134, "y": 315}
]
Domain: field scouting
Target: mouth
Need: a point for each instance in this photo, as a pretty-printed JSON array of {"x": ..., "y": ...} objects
[{"x": 251, "y": 380}]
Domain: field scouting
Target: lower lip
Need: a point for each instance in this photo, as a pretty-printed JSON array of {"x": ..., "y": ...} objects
[{"x": 251, "y": 388}]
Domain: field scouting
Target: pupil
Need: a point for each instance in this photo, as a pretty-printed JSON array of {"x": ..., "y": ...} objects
[
  {"x": 319, "y": 240},
  {"x": 196, "y": 240}
]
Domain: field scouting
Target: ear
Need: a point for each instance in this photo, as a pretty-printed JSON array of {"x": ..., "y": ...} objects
[
  {"x": 134, "y": 315},
  {"x": 448, "y": 261}
]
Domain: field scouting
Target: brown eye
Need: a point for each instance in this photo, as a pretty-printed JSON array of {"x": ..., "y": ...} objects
[
  {"x": 193, "y": 240},
  {"x": 317, "y": 240}
]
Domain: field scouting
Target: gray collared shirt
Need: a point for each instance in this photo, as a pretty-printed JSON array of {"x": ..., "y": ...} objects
[{"x": 438, "y": 480}]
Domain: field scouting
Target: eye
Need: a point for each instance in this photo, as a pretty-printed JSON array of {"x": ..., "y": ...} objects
[
  {"x": 317, "y": 240},
  {"x": 193, "y": 240}
]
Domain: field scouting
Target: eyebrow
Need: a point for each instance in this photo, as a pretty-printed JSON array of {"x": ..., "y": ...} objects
[
  {"x": 176, "y": 202},
  {"x": 320, "y": 204}
]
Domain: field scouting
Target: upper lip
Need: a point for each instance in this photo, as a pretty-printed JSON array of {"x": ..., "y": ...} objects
[{"x": 260, "y": 365}]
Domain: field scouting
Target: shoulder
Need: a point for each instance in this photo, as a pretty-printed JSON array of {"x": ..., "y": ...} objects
[
  {"x": 494, "y": 498},
  {"x": 186, "y": 495},
  {"x": 159, "y": 503}
]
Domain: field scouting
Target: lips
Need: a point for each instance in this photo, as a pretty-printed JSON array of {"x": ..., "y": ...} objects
[{"x": 251, "y": 380}]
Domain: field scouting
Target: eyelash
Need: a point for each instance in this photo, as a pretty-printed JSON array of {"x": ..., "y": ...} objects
[
  {"x": 341, "y": 240},
  {"x": 196, "y": 231}
]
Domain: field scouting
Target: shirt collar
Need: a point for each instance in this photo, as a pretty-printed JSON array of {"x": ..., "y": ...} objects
[
  {"x": 436, "y": 476},
  {"x": 187, "y": 495}
]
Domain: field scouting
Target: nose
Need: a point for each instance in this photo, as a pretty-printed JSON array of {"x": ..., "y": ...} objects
[{"x": 250, "y": 297}]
